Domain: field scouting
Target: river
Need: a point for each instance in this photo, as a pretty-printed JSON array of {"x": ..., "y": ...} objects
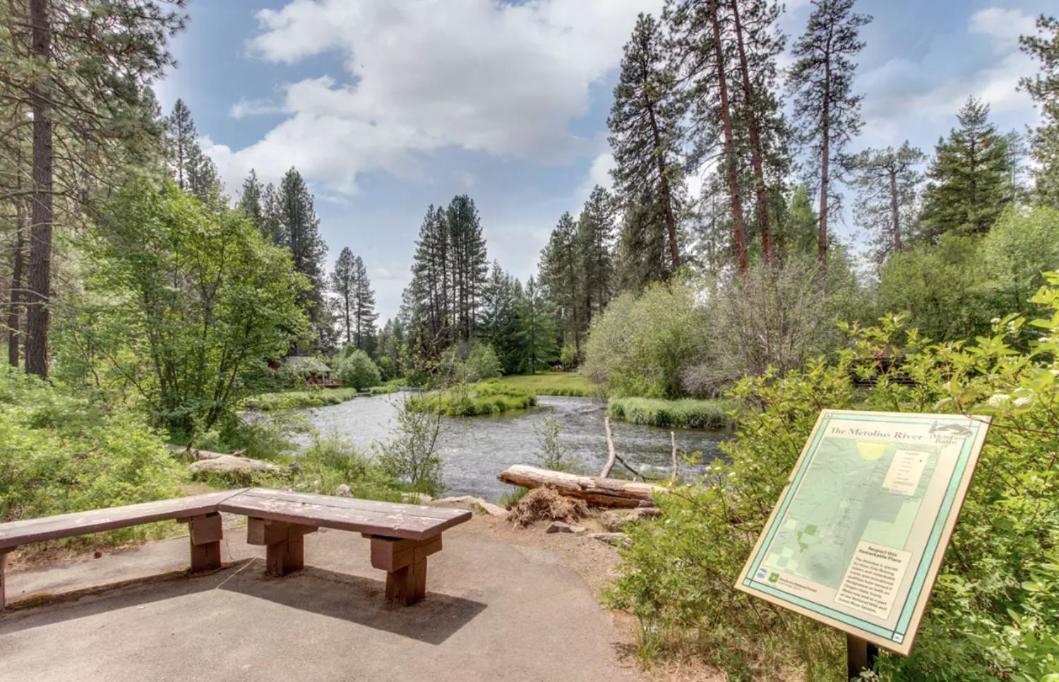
[{"x": 475, "y": 449}]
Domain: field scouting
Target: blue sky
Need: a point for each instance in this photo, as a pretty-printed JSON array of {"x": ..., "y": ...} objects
[{"x": 387, "y": 107}]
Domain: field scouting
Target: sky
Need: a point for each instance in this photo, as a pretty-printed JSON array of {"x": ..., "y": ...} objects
[{"x": 387, "y": 107}]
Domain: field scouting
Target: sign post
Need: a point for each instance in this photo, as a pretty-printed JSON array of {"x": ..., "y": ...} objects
[{"x": 859, "y": 532}]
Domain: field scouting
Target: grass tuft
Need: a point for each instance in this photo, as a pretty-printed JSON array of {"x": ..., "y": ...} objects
[{"x": 686, "y": 413}]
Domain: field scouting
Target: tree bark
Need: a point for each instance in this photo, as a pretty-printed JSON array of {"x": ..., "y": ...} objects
[
  {"x": 738, "y": 225},
  {"x": 756, "y": 154},
  {"x": 605, "y": 492},
  {"x": 825, "y": 159},
  {"x": 14, "y": 313},
  {"x": 37, "y": 313}
]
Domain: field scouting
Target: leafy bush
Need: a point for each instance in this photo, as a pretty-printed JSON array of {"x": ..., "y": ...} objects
[
  {"x": 995, "y": 608},
  {"x": 640, "y": 346},
  {"x": 61, "y": 453},
  {"x": 411, "y": 456},
  {"x": 686, "y": 413},
  {"x": 552, "y": 453},
  {"x": 330, "y": 462},
  {"x": 356, "y": 370},
  {"x": 481, "y": 364}
]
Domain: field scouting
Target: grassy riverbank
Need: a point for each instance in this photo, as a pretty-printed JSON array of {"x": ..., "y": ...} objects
[
  {"x": 472, "y": 400},
  {"x": 686, "y": 413},
  {"x": 312, "y": 397},
  {"x": 548, "y": 383}
]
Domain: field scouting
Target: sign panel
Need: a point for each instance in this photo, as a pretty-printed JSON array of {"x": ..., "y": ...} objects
[{"x": 856, "y": 539}]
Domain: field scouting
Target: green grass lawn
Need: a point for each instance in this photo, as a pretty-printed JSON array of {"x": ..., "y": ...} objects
[{"x": 549, "y": 383}]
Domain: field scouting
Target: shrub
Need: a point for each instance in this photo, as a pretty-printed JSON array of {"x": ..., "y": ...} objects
[
  {"x": 411, "y": 456},
  {"x": 995, "y": 607},
  {"x": 639, "y": 346},
  {"x": 552, "y": 453},
  {"x": 62, "y": 453},
  {"x": 687, "y": 413},
  {"x": 481, "y": 364},
  {"x": 356, "y": 370}
]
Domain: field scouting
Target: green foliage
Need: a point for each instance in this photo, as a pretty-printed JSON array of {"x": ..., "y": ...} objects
[
  {"x": 181, "y": 305},
  {"x": 994, "y": 608},
  {"x": 468, "y": 363},
  {"x": 552, "y": 454},
  {"x": 1022, "y": 245},
  {"x": 355, "y": 369},
  {"x": 639, "y": 346},
  {"x": 291, "y": 400},
  {"x": 330, "y": 462},
  {"x": 411, "y": 456},
  {"x": 686, "y": 413},
  {"x": 547, "y": 383},
  {"x": 472, "y": 400},
  {"x": 63, "y": 453}
]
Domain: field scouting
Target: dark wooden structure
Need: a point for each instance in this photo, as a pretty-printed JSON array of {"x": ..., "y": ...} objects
[{"x": 402, "y": 535}]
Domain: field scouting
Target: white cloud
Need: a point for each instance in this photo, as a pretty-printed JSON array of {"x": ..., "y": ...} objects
[
  {"x": 423, "y": 75},
  {"x": 1003, "y": 26},
  {"x": 598, "y": 174},
  {"x": 254, "y": 107}
]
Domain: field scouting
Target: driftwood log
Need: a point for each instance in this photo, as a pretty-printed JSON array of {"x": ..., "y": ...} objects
[{"x": 605, "y": 492}]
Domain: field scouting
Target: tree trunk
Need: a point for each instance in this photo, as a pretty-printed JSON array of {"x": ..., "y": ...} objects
[
  {"x": 756, "y": 153},
  {"x": 41, "y": 214},
  {"x": 738, "y": 226},
  {"x": 14, "y": 313},
  {"x": 605, "y": 492},
  {"x": 895, "y": 217},
  {"x": 825, "y": 160}
]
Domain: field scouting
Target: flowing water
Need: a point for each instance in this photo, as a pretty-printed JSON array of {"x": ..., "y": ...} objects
[{"x": 475, "y": 449}]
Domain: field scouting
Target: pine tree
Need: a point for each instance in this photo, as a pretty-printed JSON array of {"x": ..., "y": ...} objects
[
  {"x": 536, "y": 331},
  {"x": 271, "y": 226},
  {"x": 826, "y": 109},
  {"x": 641, "y": 255},
  {"x": 251, "y": 201},
  {"x": 563, "y": 282},
  {"x": 1044, "y": 89},
  {"x": 363, "y": 309},
  {"x": 645, "y": 137},
  {"x": 343, "y": 285},
  {"x": 887, "y": 183},
  {"x": 469, "y": 264},
  {"x": 595, "y": 234},
  {"x": 80, "y": 70},
  {"x": 299, "y": 231},
  {"x": 192, "y": 169},
  {"x": 499, "y": 324},
  {"x": 970, "y": 178}
]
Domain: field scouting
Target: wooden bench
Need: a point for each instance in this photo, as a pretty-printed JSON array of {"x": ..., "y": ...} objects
[
  {"x": 402, "y": 535},
  {"x": 198, "y": 511}
]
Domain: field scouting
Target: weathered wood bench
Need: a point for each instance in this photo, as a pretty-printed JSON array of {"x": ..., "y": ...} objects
[
  {"x": 199, "y": 511},
  {"x": 402, "y": 535}
]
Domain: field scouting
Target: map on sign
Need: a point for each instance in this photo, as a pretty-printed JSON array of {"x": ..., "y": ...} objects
[{"x": 858, "y": 535}]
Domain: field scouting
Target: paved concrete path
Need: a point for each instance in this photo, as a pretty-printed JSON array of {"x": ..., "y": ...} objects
[{"x": 493, "y": 611}]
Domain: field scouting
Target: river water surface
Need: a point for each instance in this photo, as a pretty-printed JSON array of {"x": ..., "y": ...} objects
[{"x": 475, "y": 449}]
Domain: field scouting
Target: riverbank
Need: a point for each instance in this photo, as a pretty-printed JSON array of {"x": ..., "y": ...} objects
[
  {"x": 686, "y": 413},
  {"x": 550, "y": 383}
]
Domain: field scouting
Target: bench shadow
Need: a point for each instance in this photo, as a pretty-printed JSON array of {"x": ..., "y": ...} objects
[
  {"x": 358, "y": 600},
  {"x": 334, "y": 595}
]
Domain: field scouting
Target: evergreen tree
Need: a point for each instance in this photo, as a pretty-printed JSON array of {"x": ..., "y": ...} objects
[
  {"x": 344, "y": 286},
  {"x": 469, "y": 264},
  {"x": 299, "y": 231},
  {"x": 1044, "y": 89},
  {"x": 193, "y": 170},
  {"x": 363, "y": 308},
  {"x": 645, "y": 137},
  {"x": 641, "y": 255},
  {"x": 563, "y": 282},
  {"x": 798, "y": 224},
  {"x": 826, "y": 109},
  {"x": 271, "y": 226},
  {"x": 536, "y": 334},
  {"x": 595, "y": 234},
  {"x": 887, "y": 183},
  {"x": 251, "y": 202},
  {"x": 427, "y": 296},
  {"x": 970, "y": 178},
  {"x": 499, "y": 324}
]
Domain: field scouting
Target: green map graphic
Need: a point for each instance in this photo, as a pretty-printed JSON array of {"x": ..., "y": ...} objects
[{"x": 841, "y": 502}]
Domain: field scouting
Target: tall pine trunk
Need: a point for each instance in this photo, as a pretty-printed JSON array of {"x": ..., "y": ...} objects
[
  {"x": 37, "y": 314},
  {"x": 895, "y": 216},
  {"x": 14, "y": 312},
  {"x": 738, "y": 226},
  {"x": 756, "y": 153},
  {"x": 825, "y": 164}
]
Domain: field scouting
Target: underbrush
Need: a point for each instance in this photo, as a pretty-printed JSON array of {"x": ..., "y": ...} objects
[
  {"x": 61, "y": 452},
  {"x": 994, "y": 611},
  {"x": 473, "y": 400},
  {"x": 681, "y": 414}
]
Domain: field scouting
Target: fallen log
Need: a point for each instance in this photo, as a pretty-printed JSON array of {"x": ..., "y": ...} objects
[{"x": 604, "y": 492}]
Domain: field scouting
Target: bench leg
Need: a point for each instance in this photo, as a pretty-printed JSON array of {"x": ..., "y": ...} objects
[
  {"x": 3, "y": 564},
  {"x": 405, "y": 563},
  {"x": 205, "y": 538},
  {"x": 284, "y": 544}
]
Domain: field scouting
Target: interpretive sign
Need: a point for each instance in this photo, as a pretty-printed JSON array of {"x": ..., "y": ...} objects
[{"x": 859, "y": 532}]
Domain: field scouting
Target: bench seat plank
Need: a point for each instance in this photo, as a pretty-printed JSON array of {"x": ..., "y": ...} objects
[
  {"x": 17, "y": 533},
  {"x": 406, "y": 521}
]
